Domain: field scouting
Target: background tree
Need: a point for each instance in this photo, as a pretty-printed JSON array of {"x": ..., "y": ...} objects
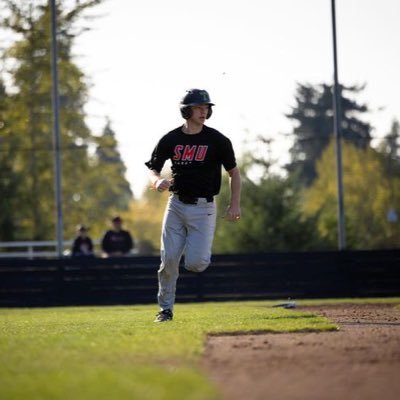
[
  {"x": 271, "y": 217},
  {"x": 144, "y": 219},
  {"x": 367, "y": 198},
  {"x": 313, "y": 115},
  {"x": 389, "y": 147},
  {"x": 29, "y": 126},
  {"x": 106, "y": 181},
  {"x": 10, "y": 199}
]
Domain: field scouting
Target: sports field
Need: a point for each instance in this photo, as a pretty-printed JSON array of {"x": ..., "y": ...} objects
[{"x": 119, "y": 353}]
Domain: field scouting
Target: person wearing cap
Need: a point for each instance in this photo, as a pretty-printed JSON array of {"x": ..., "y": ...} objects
[
  {"x": 197, "y": 153},
  {"x": 117, "y": 242},
  {"x": 82, "y": 245}
]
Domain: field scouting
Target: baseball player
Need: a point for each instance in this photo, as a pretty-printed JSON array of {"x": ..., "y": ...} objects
[{"x": 197, "y": 153}]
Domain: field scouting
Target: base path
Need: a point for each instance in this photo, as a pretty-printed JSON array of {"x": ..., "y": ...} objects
[{"x": 361, "y": 361}]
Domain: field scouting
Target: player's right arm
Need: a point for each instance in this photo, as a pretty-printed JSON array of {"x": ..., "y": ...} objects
[
  {"x": 157, "y": 182},
  {"x": 160, "y": 154}
]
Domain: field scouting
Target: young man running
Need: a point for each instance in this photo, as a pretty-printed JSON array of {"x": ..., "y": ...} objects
[{"x": 197, "y": 153}]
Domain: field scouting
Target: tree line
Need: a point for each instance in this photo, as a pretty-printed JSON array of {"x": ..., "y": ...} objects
[
  {"x": 292, "y": 210},
  {"x": 93, "y": 173},
  {"x": 297, "y": 210}
]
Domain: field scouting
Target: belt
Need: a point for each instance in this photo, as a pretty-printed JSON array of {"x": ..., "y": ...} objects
[{"x": 194, "y": 200}]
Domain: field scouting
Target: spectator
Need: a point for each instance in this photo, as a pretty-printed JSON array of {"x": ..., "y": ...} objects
[
  {"x": 117, "y": 242},
  {"x": 83, "y": 245}
]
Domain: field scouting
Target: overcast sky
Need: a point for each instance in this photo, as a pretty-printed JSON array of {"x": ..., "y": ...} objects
[{"x": 142, "y": 55}]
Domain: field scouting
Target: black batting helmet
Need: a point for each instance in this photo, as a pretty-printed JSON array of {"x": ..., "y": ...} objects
[{"x": 195, "y": 97}]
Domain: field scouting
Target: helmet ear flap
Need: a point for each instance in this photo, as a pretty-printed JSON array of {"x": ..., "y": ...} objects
[{"x": 186, "y": 112}]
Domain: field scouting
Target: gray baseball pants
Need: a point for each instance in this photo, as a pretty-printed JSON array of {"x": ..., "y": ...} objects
[{"x": 188, "y": 229}]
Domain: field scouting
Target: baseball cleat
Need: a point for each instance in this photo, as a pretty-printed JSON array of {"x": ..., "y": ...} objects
[{"x": 164, "y": 316}]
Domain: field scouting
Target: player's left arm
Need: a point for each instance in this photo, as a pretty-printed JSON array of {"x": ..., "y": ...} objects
[{"x": 233, "y": 211}]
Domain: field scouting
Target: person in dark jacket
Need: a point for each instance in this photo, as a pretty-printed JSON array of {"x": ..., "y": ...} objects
[
  {"x": 82, "y": 245},
  {"x": 117, "y": 241}
]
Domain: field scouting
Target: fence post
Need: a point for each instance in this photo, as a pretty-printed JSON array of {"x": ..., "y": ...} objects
[{"x": 30, "y": 252}]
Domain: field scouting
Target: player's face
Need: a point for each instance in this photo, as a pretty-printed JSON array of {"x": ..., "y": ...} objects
[{"x": 199, "y": 113}]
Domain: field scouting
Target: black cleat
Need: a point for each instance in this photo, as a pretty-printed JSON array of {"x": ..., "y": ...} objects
[{"x": 164, "y": 316}]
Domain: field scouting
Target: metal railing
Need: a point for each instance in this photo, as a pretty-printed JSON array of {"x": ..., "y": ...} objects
[{"x": 34, "y": 249}]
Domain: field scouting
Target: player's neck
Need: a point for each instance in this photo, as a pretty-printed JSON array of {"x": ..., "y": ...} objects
[{"x": 191, "y": 128}]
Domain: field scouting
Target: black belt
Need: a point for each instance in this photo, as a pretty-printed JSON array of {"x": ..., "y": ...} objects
[{"x": 193, "y": 200}]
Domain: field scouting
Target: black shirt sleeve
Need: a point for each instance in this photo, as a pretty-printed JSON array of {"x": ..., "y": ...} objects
[
  {"x": 227, "y": 153},
  {"x": 76, "y": 246},
  {"x": 90, "y": 244},
  {"x": 105, "y": 243},
  {"x": 159, "y": 156}
]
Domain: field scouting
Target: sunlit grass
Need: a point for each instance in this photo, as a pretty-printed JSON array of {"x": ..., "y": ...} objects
[{"x": 119, "y": 353}]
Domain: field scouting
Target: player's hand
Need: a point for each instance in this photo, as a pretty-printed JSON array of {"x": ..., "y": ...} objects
[
  {"x": 233, "y": 213},
  {"x": 162, "y": 184}
]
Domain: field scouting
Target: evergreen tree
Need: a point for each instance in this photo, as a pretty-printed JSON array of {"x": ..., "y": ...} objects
[
  {"x": 31, "y": 125},
  {"x": 313, "y": 114},
  {"x": 109, "y": 178},
  {"x": 9, "y": 176}
]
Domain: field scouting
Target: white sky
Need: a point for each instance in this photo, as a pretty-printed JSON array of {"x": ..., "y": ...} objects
[{"x": 142, "y": 55}]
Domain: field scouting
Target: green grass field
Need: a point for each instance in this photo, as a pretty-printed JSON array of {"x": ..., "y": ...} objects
[{"x": 119, "y": 353}]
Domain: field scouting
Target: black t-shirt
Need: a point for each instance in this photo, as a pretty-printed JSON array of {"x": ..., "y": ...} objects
[
  {"x": 196, "y": 160},
  {"x": 82, "y": 246},
  {"x": 117, "y": 241}
]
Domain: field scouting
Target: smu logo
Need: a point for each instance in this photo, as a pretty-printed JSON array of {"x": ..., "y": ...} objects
[{"x": 190, "y": 153}]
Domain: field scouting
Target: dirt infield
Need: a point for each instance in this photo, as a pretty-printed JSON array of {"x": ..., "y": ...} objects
[{"x": 359, "y": 361}]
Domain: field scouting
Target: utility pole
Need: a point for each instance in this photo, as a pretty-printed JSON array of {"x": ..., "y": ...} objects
[
  {"x": 337, "y": 126},
  {"x": 56, "y": 129}
]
